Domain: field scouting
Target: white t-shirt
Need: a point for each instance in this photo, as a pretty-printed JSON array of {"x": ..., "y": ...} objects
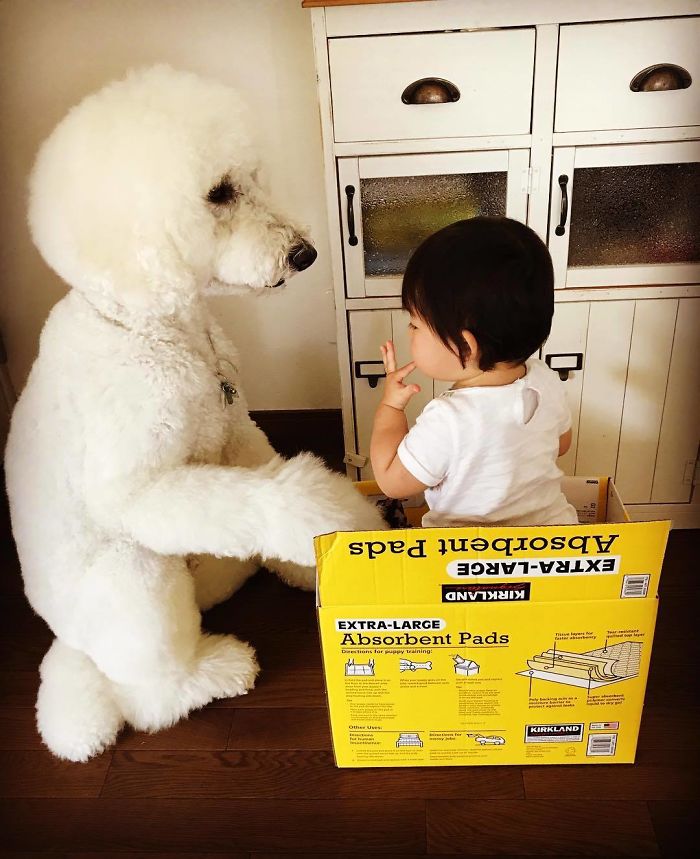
[{"x": 489, "y": 454}]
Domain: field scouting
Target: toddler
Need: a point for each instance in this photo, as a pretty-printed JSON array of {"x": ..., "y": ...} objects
[{"x": 480, "y": 294}]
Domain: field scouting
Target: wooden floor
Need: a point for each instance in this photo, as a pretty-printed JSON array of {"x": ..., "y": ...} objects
[{"x": 254, "y": 776}]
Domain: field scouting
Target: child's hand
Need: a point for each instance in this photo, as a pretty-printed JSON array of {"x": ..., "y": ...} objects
[{"x": 396, "y": 394}]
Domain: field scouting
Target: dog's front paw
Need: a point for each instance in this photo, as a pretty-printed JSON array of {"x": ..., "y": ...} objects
[{"x": 323, "y": 502}]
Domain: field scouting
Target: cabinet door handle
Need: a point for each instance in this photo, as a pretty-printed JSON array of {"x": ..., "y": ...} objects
[
  {"x": 564, "y": 211},
  {"x": 430, "y": 91},
  {"x": 366, "y": 370},
  {"x": 564, "y": 362},
  {"x": 350, "y": 193}
]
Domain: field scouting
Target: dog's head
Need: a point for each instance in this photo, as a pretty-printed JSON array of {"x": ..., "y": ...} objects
[{"x": 148, "y": 192}]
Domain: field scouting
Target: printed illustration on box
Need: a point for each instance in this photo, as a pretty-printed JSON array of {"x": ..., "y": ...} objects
[
  {"x": 465, "y": 667},
  {"x": 591, "y": 669},
  {"x": 489, "y": 740},
  {"x": 407, "y": 738},
  {"x": 359, "y": 669},
  {"x": 409, "y": 665}
]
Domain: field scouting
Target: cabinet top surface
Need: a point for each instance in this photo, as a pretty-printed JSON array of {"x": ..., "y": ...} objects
[
  {"x": 371, "y": 17},
  {"x": 307, "y": 4}
]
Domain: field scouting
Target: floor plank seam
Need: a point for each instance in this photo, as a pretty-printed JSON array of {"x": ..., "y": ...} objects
[{"x": 107, "y": 769}]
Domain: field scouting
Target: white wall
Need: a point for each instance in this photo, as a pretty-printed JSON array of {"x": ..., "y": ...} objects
[{"x": 53, "y": 53}]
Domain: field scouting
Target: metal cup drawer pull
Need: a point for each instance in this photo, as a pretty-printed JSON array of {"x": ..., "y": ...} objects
[
  {"x": 430, "y": 91},
  {"x": 661, "y": 77}
]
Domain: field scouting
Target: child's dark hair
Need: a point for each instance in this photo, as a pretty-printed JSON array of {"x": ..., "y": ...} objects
[{"x": 490, "y": 275}]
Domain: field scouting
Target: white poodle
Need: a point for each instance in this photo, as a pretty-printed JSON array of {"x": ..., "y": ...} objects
[{"x": 140, "y": 489}]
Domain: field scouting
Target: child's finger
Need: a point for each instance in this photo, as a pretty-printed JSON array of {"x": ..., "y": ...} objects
[
  {"x": 385, "y": 358},
  {"x": 390, "y": 357},
  {"x": 402, "y": 372}
]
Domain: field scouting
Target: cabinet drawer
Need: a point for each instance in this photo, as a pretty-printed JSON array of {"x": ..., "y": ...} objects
[
  {"x": 492, "y": 71},
  {"x": 598, "y": 62}
]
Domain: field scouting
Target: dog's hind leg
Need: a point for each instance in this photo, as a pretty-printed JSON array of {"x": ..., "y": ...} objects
[
  {"x": 223, "y": 667},
  {"x": 147, "y": 638},
  {"x": 77, "y": 714},
  {"x": 292, "y": 574},
  {"x": 216, "y": 579}
]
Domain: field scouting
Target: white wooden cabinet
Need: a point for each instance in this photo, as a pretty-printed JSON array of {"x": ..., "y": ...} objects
[
  {"x": 582, "y": 120},
  {"x": 634, "y": 402}
]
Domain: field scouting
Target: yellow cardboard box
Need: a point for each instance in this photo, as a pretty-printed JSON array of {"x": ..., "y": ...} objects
[{"x": 489, "y": 645}]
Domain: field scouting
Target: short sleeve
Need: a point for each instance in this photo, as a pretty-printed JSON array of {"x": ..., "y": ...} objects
[
  {"x": 549, "y": 384},
  {"x": 428, "y": 447},
  {"x": 564, "y": 411},
  {"x": 560, "y": 402}
]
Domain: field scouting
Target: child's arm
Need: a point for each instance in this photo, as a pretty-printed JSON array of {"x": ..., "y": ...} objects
[
  {"x": 564, "y": 442},
  {"x": 390, "y": 427}
]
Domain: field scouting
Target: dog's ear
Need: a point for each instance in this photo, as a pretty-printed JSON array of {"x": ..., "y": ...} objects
[
  {"x": 157, "y": 273},
  {"x": 112, "y": 219},
  {"x": 118, "y": 191},
  {"x": 102, "y": 239}
]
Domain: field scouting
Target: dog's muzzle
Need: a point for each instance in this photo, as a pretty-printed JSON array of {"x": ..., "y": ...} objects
[{"x": 301, "y": 256}]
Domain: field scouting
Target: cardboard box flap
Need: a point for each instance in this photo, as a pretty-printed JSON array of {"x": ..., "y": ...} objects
[{"x": 489, "y": 564}]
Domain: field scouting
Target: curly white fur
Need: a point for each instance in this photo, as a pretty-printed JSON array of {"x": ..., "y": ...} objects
[{"x": 125, "y": 473}]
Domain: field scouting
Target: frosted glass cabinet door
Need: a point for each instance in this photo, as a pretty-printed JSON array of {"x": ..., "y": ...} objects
[
  {"x": 390, "y": 204},
  {"x": 626, "y": 215}
]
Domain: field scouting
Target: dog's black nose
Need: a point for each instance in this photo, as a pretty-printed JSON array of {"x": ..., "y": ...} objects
[{"x": 301, "y": 256}]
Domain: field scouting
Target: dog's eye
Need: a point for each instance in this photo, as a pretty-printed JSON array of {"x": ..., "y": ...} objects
[{"x": 223, "y": 192}]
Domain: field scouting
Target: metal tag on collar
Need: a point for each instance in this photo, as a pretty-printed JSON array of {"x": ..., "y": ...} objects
[{"x": 228, "y": 391}]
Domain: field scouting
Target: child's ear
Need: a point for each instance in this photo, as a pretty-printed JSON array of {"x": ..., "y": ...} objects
[{"x": 471, "y": 341}]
